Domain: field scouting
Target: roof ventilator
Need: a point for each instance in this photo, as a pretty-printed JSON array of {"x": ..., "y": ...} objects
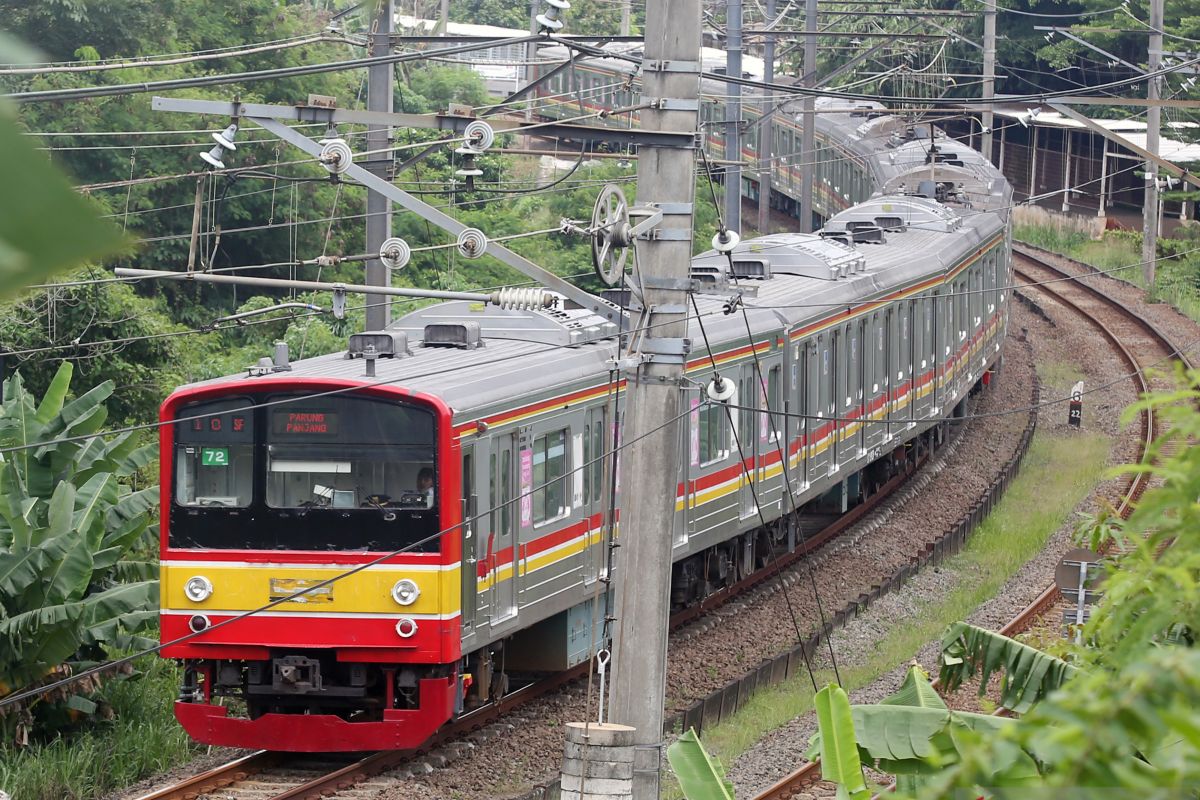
[
  {"x": 385, "y": 344},
  {"x": 463, "y": 335}
]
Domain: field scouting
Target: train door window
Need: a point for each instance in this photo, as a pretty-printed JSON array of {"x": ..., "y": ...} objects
[
  {"x": 214, "y": 454},
  {"x": 549, "y": 476},
  {"x": 587, "y": 464},
  {"x": 747, "y": 392},
  {"x": 492, "y": 497},
  {"x": 468, "y": 486},
  {"x": 900, "y": 344},
  {"x": 506, "y": 492},
  {"x": 963, "y": 316},
  {"x": 852, "y": 385},
  {"x": 713, "y": 437},
  {"x": 775, "y": 399},
  {"x": 879, "y": 373},
  {"x": 976, "y": 296},
  {"x": 597, "y": 453},
  {"x": 827, "y": 370}
]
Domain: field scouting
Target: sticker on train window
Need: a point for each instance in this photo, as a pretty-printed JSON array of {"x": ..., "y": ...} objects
[{"x": 214, "y": 457}]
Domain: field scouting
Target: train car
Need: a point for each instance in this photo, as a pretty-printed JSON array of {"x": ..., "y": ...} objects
[
  {"x": 358, "y": 547},
  {"x": 476, "y": 446}
]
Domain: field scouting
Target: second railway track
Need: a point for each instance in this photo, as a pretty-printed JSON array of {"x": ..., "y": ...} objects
[{"x": 1145, "y": 350}]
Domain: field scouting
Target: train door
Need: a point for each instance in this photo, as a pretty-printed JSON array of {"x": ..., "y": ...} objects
[
  {"x": 502, "y": 549},
  {"x": 811, "y": 408},
  {"x": 747, "y": 437},
  {"x": 470, "y": 505},
  {"x": 849, "y": 404},
  {"x": 876, "y": 383},
  {"x": 793, "y": 425},
  {"x": 936, "y": 312},
  {"x": 595, "y": 494}
]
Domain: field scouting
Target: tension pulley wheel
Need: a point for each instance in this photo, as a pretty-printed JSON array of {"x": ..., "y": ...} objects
[{"x": 611, "y": 234}]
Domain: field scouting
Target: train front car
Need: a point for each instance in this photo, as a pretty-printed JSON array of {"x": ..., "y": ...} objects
[{"x": 283, "y": 498}]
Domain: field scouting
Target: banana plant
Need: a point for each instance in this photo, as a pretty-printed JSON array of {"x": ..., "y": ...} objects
[
  {"x": 1028, "y": 674},
  {"x": 69, "y": 524},
  {"x": 700, "y": 775}
]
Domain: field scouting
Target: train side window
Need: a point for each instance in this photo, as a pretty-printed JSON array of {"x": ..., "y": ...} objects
[
  {"x": 598, "y": 466},
  {"x": 550, "y": 466}
]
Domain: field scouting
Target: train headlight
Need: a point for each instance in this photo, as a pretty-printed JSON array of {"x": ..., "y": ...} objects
[
  {"x": 198, "y": 589},
  {"x": 406, "y": 592},
  {"x": 406, "y": 627}
]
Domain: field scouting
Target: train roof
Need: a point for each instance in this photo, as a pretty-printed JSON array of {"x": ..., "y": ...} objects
[{"x": 526, "y": 353}]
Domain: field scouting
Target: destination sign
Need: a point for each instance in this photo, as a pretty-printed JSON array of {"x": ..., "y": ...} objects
[{"x": 303, "y": 422}]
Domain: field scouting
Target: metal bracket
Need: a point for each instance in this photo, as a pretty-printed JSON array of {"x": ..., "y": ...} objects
[
  {"x": 666, "y": 65},
  {"x": 665, "y": 346},
  {"x": 673, "y": 209},
  {"x": 675, "y": 284},
  {"x": 674, "y": 104},
  {"x": 667, "y": 235}
]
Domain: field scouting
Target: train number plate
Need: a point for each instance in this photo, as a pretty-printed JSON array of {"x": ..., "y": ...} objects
[{"x": 286, "y": 587}]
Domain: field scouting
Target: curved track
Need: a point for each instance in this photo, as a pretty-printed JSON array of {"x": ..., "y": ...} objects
[{"x": 1141, "y": 346}]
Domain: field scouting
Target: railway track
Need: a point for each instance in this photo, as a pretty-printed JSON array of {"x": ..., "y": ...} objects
[
  {"x": 266, "y": 775},
  {"x": 1141, "y": 346}
]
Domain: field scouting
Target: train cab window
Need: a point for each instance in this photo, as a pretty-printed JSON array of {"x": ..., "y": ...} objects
[
  {"x": 214, "y": 454},
  {"x": 349, "y": 453},
  {"x": 549, "y": 470}
]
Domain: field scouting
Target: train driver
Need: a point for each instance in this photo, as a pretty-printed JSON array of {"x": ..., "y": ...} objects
[{"x": 425, "y": 485}]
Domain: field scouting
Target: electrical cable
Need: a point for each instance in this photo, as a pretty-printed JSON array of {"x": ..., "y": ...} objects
[{"x": 101, "y": 67}]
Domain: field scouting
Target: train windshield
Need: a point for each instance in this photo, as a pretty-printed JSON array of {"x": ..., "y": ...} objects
[
  {"x": 303, "y": 472},
  {"x": 214, "y": 454},
  {"x": 349, "y": 453}
]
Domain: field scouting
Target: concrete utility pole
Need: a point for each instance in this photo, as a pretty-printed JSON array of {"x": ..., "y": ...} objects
[
  {"x": 807, "y": 150},
  {"x": 733, "y": 118},
  {"x": 1153, "y": 122},
  {"x": 766, "y": 133},
  {"x": 650, "y": 467},
  {"x": 989, "y": 74},
  {"x": 626, "y": 13},
  {"x": 379, "y": 208}
]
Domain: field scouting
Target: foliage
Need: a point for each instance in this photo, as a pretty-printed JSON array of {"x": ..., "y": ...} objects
[
  {"x": 139, "y": 738},
  {"x": 67, "y": 526},
  {"x": 39, "y": 206},
  {"x": 836, "y": 746},
  {"x": 1128, "y": 717},
  {"x": 1028, "y": 675},
  {"x": 700, "y": 775}
]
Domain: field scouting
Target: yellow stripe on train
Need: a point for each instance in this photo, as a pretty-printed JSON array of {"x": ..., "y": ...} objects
[{"x": 243, "y": 586}]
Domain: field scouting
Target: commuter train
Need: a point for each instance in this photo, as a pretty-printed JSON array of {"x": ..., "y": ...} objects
[{"x": 478, "y": 441}]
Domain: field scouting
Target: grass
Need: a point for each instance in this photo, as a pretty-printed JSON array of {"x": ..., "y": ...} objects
[
  {"x": 1059, "y": 471},
  {"x": 1177, "y": 280},
  {"x": 143, "y": 739}
]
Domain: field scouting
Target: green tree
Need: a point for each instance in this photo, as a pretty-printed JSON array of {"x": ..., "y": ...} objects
[{"x": 69, "y": 522}]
